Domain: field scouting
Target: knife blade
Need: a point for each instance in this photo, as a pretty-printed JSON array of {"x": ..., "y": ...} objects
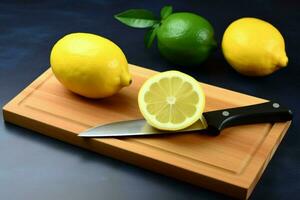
[{"x": 212, "y": 122}]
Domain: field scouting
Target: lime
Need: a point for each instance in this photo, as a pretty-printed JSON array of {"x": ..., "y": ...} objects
[
  {"x": 89, "y": 65},
  {"x": 185, "y": 38},
  {"x": 171, "y": 100}
]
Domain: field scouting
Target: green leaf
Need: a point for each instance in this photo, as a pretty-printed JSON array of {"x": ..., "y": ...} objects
[
  {"x": 150, "y": 36},
  {"x": 166, "y": 11},
  {"x": 137, "y": 18}
]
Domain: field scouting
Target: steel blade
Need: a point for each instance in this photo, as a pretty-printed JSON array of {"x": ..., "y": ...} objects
[{"x": 134, "y": 128}]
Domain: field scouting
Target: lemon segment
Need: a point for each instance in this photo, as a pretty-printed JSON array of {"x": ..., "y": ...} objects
[{"x": 171, "y": 100}]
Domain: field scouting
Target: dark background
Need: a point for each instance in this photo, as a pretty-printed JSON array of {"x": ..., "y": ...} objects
[{"x": 33, "y": 166}]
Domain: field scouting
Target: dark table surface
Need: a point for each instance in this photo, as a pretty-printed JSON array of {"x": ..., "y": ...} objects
[{"x": 33, "y": 166}]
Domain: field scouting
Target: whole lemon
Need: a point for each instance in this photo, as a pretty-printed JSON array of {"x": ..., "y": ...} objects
[
  {"x": 254, "y": 47},
  {"x": 89, "y": 65}
]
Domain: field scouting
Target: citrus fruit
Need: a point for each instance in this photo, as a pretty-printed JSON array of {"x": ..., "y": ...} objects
[
  {"x": 254, "y": 47},
  {"x": 171, "y": 100},
  {"x": 89, "y": 65},
  {"x": 185, "y": 38}
]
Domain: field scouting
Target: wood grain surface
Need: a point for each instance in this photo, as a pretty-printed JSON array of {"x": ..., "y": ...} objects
[{"x": 230, "y": 163}]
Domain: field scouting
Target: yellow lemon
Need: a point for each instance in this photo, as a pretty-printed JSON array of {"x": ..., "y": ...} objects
[
  {"x": 89, "y": 65},
  {"x": 254, "y": 47},
  {"x": 171, "y": 100}
]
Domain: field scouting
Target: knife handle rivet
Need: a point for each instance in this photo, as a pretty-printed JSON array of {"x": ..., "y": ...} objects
[
  {"x": 276, "y": 105},
  {"x": 225, "y": 113}
]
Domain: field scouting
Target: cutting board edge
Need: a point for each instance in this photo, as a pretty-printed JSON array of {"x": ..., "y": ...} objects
[
  {"x": 130, "y": 157},
  {"x": 24, "y": 92},
  {"x": 269, "y": 156}
]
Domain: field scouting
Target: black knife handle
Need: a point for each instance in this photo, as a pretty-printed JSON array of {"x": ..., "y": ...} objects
[{"x": 259, "y": 113}]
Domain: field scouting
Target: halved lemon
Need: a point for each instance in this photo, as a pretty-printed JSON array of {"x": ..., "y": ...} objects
[{"x": 171, "y": 100}]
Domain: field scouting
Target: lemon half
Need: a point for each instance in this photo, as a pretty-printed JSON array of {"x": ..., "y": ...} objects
[{"x": 171, "y": 100}]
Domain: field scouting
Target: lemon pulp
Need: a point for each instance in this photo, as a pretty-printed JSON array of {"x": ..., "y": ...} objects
[{"x": 171, "y": 100}]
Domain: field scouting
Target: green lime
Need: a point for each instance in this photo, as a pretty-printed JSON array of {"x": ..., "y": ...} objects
[{"x": 185, "y": 38}]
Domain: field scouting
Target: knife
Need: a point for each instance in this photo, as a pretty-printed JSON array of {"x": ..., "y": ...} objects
[{"x": 211, "y": 122}]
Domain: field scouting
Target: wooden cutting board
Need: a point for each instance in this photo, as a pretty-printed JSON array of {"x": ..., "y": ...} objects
[{"x": 230, "y": 163}]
